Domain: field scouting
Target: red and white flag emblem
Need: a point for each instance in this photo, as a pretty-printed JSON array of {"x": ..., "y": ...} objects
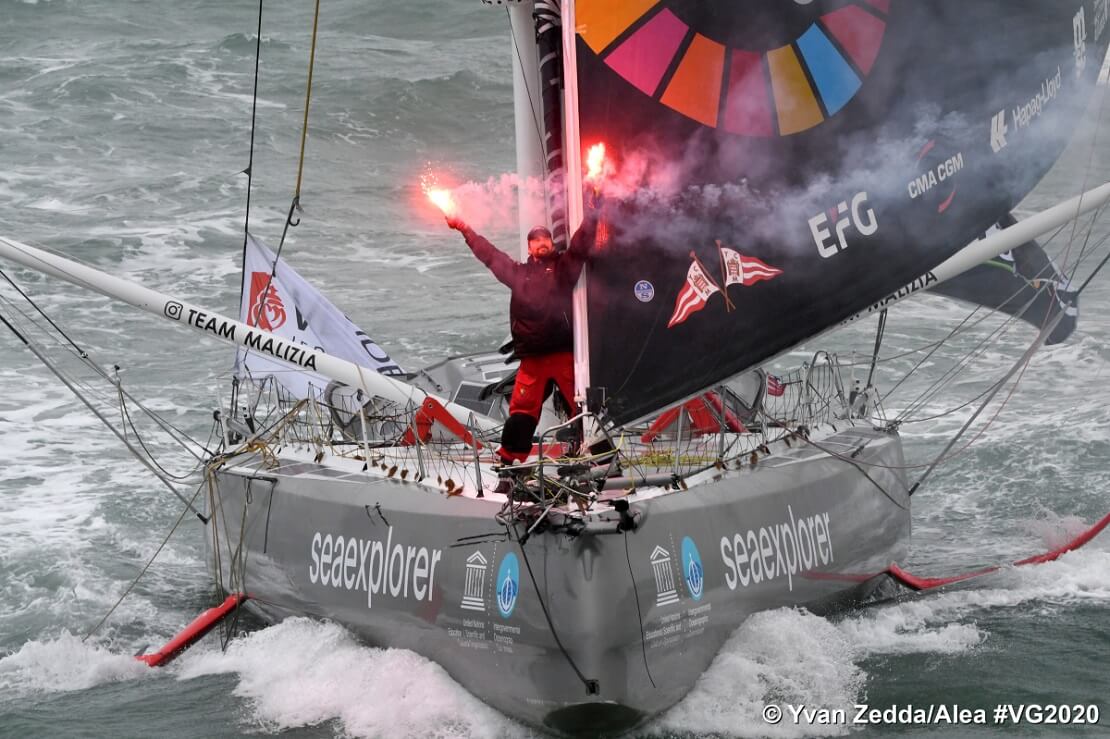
[
  {"x": 694, "y": 295},
  {"x": 742, "y": 270},
  {"x": 775, "y": 387},
  {"x": 265, "y": 307}
]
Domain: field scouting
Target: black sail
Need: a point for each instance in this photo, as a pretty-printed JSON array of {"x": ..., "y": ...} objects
[
  {"x": 781, "y": 165},
  {"x": 1023, "y": 283}
]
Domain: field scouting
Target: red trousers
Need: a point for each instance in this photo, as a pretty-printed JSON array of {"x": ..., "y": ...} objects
[
  {"x": 529, "y": 392},
  {"x": 531, "y": 382}
]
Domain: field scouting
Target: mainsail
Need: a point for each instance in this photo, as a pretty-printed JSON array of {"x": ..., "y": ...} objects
[{"x": 781, "y": 166}]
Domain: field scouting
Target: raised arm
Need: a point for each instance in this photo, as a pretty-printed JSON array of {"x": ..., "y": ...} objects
[
  {"x": 581, "y": 243},
  {"x": 499, "y": 263}
]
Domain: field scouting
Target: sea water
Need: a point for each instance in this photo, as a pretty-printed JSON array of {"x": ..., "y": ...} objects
[{"x": 124, "y": 132}]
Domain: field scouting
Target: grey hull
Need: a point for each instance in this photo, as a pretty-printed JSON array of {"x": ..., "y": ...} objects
[{"x": 404, "y": 566}]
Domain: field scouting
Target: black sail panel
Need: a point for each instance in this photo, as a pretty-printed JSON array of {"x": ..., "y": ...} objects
[
  {"x": 779, "y": 166},
  {"x": 1023, "y": 283}
]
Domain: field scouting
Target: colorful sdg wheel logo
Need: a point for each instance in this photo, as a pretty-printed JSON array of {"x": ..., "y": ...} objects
[{"x": 757, "y": 93}]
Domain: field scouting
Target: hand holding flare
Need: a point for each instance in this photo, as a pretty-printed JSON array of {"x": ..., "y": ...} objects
[
  {"x": 442, "y": 199},
  {"x": 595, "y": 171}
]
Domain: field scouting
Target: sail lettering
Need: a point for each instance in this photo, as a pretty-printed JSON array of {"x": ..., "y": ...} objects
[
  {"x": 215, "y": 325},
  {"x": 905, "y": 291},
  {"x": 1030, "y": 111},
  {"x": 944, "y": 171},
  {"x": 845, "y": 215},
  {"x": 302, "y": 322},
  {"x": 376, "y": 353},
  {"x": 1079, "y": 28}
]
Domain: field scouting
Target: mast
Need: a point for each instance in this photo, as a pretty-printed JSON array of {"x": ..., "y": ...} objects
[
  {"x": 549, "y": 42},
  {"x": 526, "y": 115},
  {"x": 226, "y": 329},
  {"x": 573, "y": 147}
]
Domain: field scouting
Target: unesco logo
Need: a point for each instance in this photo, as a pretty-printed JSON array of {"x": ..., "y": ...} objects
[
  {"x": 692, "y": 569},
  {"x": 644, "y": 290},
  {"x": 508, "y": 585}
]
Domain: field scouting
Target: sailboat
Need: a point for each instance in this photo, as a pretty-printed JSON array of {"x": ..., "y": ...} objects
[{"x": 779, "y": 169}]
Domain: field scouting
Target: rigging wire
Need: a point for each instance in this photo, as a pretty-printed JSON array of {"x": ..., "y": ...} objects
[
  {"x": 939, "y": 384},
  {"x": 1087, "y": 178},
  {"x": 1092, "y": 275},
  {"x": 639, "y": 615},
  {"x": 250, "y": 155},
  {"x": 527, "y": 90},
  {"x": 1021, "y": 364},
  {"x": 1049, "y": 324},
  {"x": 960, "y": 366},
  {"x": 146, "y": 567},
  {"x": 180, "y": 436},
  {"x": 878, "y": 344},
  {"x": 930, "y": 345},
  {"x": 88, "y": 404},
  {"x": 80, "y": 352},
  {"x": 591, "y": 685},
  {"x": 254, "y": 315},
  {"x": 307, "y": 101},
  {"x": 983, "y": 344}
]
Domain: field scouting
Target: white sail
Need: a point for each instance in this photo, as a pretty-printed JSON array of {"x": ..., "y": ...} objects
[{"x": 280, "y": 301}]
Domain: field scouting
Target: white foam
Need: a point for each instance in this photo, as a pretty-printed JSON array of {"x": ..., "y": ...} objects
[
  {"x": 793, "y": 657},
  {"x": 909, "y": 628},
  {"x": 64, "y": 664},
  {"x": 303, "y": 673},
  {"x": 782, "y": 656}
]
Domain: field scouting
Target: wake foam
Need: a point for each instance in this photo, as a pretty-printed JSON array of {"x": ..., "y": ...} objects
[
  {"x": 303, "y": 673},
  {"x": 783, "y": 656},
  {"x": 64, "y": 664}
]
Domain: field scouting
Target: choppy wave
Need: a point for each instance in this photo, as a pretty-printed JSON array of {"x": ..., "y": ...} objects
[
  {"x": 125, "y": 137},
  {"x": 306, "y": 673}
]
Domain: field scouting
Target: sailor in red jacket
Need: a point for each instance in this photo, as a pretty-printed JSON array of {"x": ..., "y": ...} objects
[{"x": 541, "y": 321}]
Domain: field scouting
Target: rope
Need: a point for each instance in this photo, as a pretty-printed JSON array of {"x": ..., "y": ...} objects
[
  {"x": 295, "y": 205},
  {"x": 250, "y": 157},
  {"x": 178, "y": 435},
  {"x": 307, "y": 100},
  {"x": 527, "y": 89},
  {"x": 57, "y": 372},
  {"x": 146, "y": 567},
  {"x": 878, "y": 344},
  {"x": 1021, "y": 364},
  {"x": 591, "y": 685},
  {"x": 636, "y": 595},
  {"x": 80, "y": 352}
]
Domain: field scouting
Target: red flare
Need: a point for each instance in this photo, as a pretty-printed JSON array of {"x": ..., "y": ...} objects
[
  {"x": 441, "y": 197},
  {"x": 595, "y": 163}
]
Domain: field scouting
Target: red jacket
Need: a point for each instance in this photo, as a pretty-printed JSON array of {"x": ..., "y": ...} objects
[{"x": 540, "y": 311}]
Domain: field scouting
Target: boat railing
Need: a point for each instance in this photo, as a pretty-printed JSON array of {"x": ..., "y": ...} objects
[{"x": 395, "y": 439}]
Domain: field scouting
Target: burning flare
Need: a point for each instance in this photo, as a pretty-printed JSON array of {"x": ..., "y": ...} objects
[
  {"x": 441, "y": 197},
  {"x": 442, "y": 200},
  {"x": 595, "y": 163}
]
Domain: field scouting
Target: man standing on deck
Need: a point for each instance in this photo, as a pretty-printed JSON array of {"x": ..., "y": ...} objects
[{"x": 541, "y": 322}]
